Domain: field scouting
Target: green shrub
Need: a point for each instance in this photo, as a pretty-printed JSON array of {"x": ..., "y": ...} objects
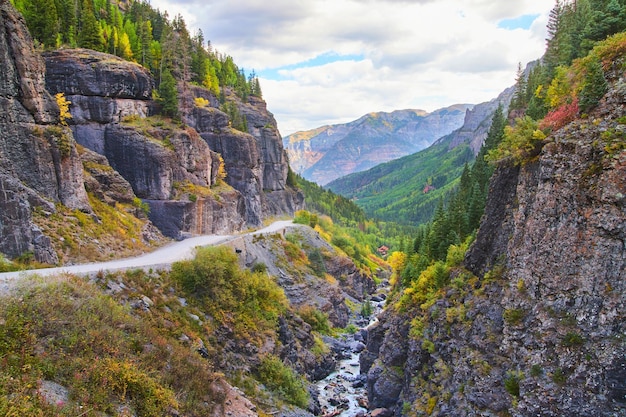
[
  {"x": 341, "y": 242},
  {"x": 212, "y": 272},
  {"x": 514, "y": 315},
  {"x": 351, "y": 329},
  {"x": 6, "y": 265},
  {"x": 428, "y": 346},
  {"x": 316, "y": 261},
  {"x": 248, "y": 301},
  {"x": 318, "y": 320},
  {"x": 511, "y": 382},
  {"x": 282, "y": 380},
  {"x": 520, "y": 142},
  {"x": 366, "y": 308},
  {"x": 139, "y": 203},
  {"x": 302, "y": 217},
  {"x": 536, "y": 370},
  {"x": 319, "y": 348},
  {"x": 572, "y": 339},
  {"x": 559, "y": 377},
  {"x": 259, "y": 267},
  {"x": 62, "y": 138}
]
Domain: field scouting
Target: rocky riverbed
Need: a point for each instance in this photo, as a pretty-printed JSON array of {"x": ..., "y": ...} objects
[{"x": 343, "y": 393}]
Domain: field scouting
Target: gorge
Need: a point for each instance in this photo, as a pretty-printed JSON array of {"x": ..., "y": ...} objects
[{"x": 522, "y": 317}]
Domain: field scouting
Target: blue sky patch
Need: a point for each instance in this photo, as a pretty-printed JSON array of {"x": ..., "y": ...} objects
[
  {"x": 323, "y": 59},
  {"x": 521, "y": 22}
]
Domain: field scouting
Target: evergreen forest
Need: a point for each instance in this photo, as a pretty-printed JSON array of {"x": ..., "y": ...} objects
[{"x": 137, "y": 32}]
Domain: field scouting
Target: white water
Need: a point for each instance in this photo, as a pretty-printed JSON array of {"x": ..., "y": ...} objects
[{"x": 338, "y": 386}]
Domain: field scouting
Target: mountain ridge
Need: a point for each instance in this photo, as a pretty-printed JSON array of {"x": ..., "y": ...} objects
[
  {"x": 408, "y": 189},
  {"x": 328, "y": 152}
]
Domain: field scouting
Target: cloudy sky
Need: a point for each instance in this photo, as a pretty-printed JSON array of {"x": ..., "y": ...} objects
[{"x": 331, "y": 61}]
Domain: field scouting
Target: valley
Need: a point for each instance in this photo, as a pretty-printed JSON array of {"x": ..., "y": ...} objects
[{"x": 465, "y": 261}]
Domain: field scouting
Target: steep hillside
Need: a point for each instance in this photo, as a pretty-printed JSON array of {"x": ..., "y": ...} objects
[
  {"x": 39, "y": 164},
  {"x": 408, "y": 190},
  {"x": 254, "y": 314},
  {"x": 324, "y": 154},
  {"x": 532, "y": 321},
  {"x": 91, "y": 162}
]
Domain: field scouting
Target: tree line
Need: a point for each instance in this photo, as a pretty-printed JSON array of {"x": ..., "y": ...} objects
[
  {"x": 140, "y": 34},
  {"x": 574, "y": 28}
]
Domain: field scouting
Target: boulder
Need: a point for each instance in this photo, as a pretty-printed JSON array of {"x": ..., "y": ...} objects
[{"x": 84, "y": 72}]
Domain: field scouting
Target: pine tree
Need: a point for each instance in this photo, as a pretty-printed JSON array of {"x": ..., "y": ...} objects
[
  {"x": 41, "y": 19},
  {"x": 90, "y": 36},
  {"x": 169, "y": 94},
  {"x": 551, "y": 57},
  {"x": 476, "y": 207},
  {"x": 145, "y": 42},
  {"x": 519, "y": 98},
  {"x": 594, "y": 86},
  {"x": 67, "y": 21},
  {"x": 605, "y": 21}
]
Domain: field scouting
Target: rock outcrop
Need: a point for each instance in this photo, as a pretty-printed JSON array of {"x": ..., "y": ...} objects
[
  {"x": 39, "y": 165},
  {"x": 478, "y": 121},
  {"x": 255, "y": 161},
  {"x": 304, "y": 287},
  {"x": 174, "y": 168},
  {"x": 539, "y": 329}
]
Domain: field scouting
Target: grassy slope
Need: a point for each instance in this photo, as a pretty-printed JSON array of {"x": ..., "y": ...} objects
[{"x": 394, "y": 191}]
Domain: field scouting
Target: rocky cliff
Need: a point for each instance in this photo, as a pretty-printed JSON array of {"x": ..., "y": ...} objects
[
  {"x": 536, "y": 326},
  {"x": 39, "y": 165},
  {"x": 327, "y": 153},
  {"x": 196, "y": 177},
  {"x": 478, "y": 121},
  {"x": 174, "y": 167}
]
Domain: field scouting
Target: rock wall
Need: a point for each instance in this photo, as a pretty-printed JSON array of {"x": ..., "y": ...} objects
[
  {"x": 165, "y": 163},
  {"x": 540, "y": 328},
  {"x": 255, "y": 161},
  {"x": 39, "y": 165}
]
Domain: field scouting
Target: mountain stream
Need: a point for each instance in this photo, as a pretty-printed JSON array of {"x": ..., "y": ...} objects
[{"x": 343, "y": 393}]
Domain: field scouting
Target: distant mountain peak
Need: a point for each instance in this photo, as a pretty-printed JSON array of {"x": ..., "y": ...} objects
[{"x": 329, "y": 152}]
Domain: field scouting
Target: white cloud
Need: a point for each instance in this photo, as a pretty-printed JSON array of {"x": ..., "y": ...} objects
[{"x": 417, "y": 54}]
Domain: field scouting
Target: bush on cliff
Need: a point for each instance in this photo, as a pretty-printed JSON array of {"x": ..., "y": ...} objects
[{"x": 249, "y": 302}]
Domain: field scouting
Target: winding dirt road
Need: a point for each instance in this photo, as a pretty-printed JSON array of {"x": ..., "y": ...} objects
[{"x": 165, "y": 255}]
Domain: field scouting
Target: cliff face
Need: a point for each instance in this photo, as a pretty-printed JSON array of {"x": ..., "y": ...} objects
[
  {"x": 541, "y": 330},
  {"x": 478, "y": 121},
  {"x": 255, "y": 161},
  {"x": 325, "y": 154},
  {"x": 39, "y": 165},
  {"x": 174, "y": 168}
]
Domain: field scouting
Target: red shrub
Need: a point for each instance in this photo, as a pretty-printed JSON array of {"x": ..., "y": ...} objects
[{"x": 560, "y": 116}]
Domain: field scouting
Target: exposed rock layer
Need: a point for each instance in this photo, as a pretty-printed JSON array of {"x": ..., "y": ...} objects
[
  {"x": 542, "y": 331},
  {"x": 38, "y": 160},
  {"x": 165, "y": 165}
]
